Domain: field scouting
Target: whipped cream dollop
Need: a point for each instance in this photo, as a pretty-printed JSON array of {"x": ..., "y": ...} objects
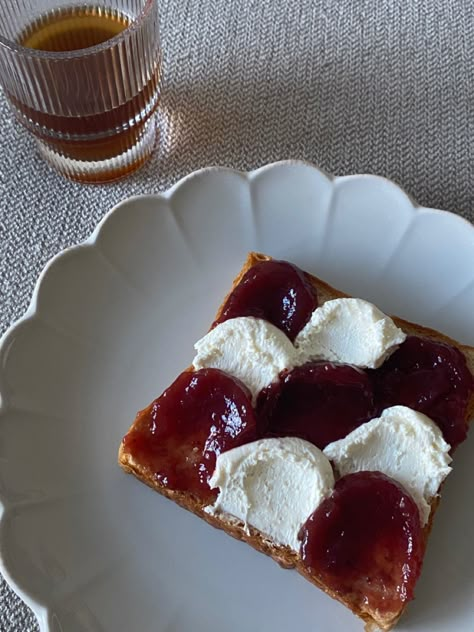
[
  {"x": 273, "y": 485},
  {"x": 350, "y": 331},
  {"x": 403, "y": 444},
  {"x": 250, "y": 349}
]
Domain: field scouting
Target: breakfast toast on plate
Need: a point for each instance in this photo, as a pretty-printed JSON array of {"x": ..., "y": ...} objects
[{"x": 316, "y": 429}]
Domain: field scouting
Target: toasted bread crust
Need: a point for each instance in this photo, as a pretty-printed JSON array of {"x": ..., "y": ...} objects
[{"x": 284, "y": 556}]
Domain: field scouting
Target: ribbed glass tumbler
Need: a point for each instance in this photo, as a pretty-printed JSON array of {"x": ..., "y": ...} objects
[{"x": 85, "y": 80}]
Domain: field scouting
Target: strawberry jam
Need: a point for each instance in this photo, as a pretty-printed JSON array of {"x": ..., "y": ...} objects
[
  {"x": 276, "y": 291},
  {"x": 365, "y": 542},
  {"x": 319, "y": 401},
  {"x": 430, "y": 377},
  {"x": 179, "y": 436}
]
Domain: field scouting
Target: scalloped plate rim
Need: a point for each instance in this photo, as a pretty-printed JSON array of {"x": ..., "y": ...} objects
[{"x": 42, "y": 610}]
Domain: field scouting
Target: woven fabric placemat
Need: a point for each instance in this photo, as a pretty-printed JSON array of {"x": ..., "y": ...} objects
[{"x": 354, "y": 87}]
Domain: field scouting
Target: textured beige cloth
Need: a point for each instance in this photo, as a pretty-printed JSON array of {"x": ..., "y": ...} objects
[{"x": 375, "y": 86}]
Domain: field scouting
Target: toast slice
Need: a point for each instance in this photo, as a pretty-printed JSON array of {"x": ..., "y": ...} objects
[{"x": 285, "y": 556}]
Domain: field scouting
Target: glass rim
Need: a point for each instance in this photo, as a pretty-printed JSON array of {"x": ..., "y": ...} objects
[{"x": 134, "y": 25}]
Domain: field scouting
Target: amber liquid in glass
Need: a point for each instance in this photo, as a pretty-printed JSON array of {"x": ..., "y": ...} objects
[
  {"x": 102, "y": 135},
  {"x": 73, "y": 29}
]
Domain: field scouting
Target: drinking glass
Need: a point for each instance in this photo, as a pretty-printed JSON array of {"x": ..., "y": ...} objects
[{"x": 85, "y": 80}]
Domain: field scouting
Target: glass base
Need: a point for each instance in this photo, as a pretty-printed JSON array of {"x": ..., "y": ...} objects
[{"x": 103, "y": 171}]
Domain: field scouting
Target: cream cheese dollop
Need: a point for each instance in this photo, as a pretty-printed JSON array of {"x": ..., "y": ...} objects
[
  {"x": 350, "y": 331},
  {"x": 273, "y": 485},
  {"x": 403, "y": 444},
  {"x": 250, "y": 349}
]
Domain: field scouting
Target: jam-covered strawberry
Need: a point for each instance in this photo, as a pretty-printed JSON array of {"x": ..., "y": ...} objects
[
  {"x": 179, "y": 436},
  {"x": 320, "y": 402},
  {"x": 365, "y": 542},
  {"x": 277, "y": 291},
  {"x": 430, "y": 377}
]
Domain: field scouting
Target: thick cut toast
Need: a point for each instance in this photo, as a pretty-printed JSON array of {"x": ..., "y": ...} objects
[{"x": 285, "y": 556}]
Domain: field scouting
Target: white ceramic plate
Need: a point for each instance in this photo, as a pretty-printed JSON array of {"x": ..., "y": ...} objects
[{"x": 111, "y": 324}]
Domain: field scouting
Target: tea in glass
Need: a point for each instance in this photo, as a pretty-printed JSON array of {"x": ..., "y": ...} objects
[{"x": 85, "y": 80}]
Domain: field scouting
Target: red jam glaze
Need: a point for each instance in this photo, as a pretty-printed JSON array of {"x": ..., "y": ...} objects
[
  {"x": 319, "y": 401},
  {"x": 365, "y": 542},
  {"x": 430, "y": 377},
  {"x": 276, "y": 291},
  {"x": 179, "y": 436}
]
